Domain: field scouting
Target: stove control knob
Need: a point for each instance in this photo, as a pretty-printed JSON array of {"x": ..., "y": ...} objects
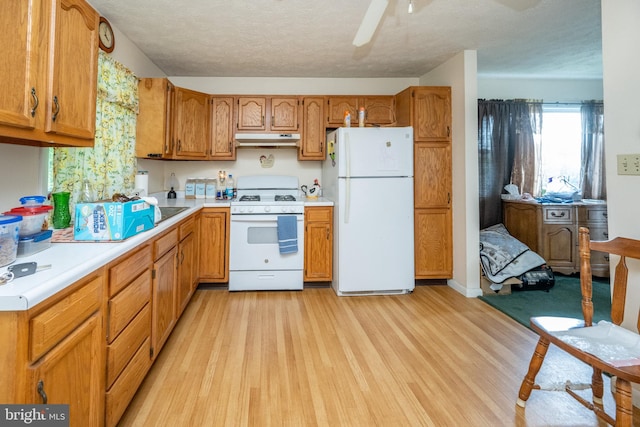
[
  {"x": 267, "y": 208},
  {"x": 284, "y": 209}
]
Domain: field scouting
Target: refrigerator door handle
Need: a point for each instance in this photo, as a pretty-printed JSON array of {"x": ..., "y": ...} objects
[{"x": 347, "y": 180}]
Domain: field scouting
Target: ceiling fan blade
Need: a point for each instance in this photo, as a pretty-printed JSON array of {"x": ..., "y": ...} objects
[{"x": 370, "y": 22}]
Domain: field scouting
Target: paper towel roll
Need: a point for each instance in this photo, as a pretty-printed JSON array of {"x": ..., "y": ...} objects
[{"x": 142, "y": 183}]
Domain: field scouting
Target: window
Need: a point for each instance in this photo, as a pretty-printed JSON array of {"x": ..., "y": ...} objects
[{"x": 561, "y": 144}]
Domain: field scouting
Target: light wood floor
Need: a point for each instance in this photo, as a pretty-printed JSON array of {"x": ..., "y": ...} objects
[{"x": 310, "y": 358}]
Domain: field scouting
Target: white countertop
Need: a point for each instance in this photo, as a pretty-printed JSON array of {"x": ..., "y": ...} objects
[{"x": 71, "y": 262}]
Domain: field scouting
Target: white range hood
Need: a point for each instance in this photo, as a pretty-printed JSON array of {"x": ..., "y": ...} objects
[{"x": 267, "y": 139}]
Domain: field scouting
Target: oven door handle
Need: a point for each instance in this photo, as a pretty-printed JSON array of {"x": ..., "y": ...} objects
[{"x": 261, "y": 218}]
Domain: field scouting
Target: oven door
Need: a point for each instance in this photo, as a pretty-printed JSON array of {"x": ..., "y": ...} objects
[{"x": 254, "y": 244}]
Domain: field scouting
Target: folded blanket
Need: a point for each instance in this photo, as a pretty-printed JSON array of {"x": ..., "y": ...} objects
[
  {"x": 502, "y": 256},
  {"x": 288, "y": 234}
]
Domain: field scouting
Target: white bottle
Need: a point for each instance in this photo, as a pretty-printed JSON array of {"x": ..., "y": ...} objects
[{"x": 229, "y": 187}]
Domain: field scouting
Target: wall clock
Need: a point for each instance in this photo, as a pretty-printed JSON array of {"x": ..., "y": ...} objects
[{"x": 105, "y": 35}]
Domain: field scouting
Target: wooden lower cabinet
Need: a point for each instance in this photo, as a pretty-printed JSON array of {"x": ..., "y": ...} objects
[
  {"x": 54, "y": 352},
  {"x": 318, "y": 244},
  {"x": 213, "y": 259},
  {"x": 187, "y": 263},
  {"x": 128, "y": 329},
  {"x": 165, "y": 276},
  {"x": 433, "y": 245},
  {"x": 551, "y": 230}
]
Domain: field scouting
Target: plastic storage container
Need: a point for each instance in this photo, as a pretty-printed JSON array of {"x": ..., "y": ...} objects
[
  {"x": 190, "y": 189},
  {"x": 9, "y": 234},
  {"x": 32, "y": 201},
  {"x": 210, "y": 188},
  {"x": 201, "y": 185},
  {"x": 34, "y": 219},
  {"x": 28, "y": 245}
]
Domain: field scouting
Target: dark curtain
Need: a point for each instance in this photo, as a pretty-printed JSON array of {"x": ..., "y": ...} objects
[
  {"x": 508, "y": 152},
  {"x": 592, "y": 169}
]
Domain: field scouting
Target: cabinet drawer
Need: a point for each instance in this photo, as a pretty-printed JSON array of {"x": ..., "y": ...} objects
[
  {"x": 165, "y": 243},
  {"x": 598, "y": 233},
  {"x": 318, "y": 214},
  {"x": 187, "y": 228},
  {"x": 53, "y": 324},
  {"x": 557, "y": 214},
  {"x": 592, "y": 215},
  {"x": 128, "y": 269},
  {"x": 124, "y": 306},
  {"x": 122, "y": 391},
  {"x": 120, "y": 352}
]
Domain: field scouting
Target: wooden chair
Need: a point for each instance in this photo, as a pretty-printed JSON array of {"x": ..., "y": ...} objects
[{"x": 549, "y": 329}]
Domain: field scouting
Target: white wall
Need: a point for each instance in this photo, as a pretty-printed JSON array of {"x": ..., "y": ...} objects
[
  {"x": 620, "y": 34},
  {"x": 460, "y": 73},
  {"x": 548, "y": 90}
]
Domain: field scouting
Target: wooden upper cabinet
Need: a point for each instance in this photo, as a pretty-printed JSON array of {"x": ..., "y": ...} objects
[
  {"x": 153, "y": 129},
  {"x": 251, "y": 114},
  {"x": 337, "y": 105},
  {"x": 191, "y": 124},
  {"x": 313, "y": 129},
  {"x": 284, "y": 114},
  {"x": 433, "y": 113},
  {"x": 21, "y": 90},
  {"x": 222, "y": 145},
  {"x": 49, "y": 72},
  {"x": 379, "y": 110},
  {"x": 71, "y": 105}
]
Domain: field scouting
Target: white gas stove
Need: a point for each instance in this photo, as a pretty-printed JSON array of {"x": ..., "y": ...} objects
[{"x": 267, "y": 234}]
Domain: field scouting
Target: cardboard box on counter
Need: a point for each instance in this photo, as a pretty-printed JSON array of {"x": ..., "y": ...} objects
[{"x": 112, "y": 220}]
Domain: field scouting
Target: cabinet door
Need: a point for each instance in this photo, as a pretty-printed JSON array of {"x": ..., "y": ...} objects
[
  {"x": 187, "y": 274},
  {"x": 433, "y": 244},
  {"x": 337, "y": 105},
  {"x": 154, "y": 126},
  {"x": 163, "y": 302},
  {"x": 285, "y": 114},
  {"x": 313, "y": 129},
  {"x": 559, "y": 248},
  {"x": 379, "y": 110},
  {"x": 318, "y": 244},
  {"x": 71, "y": 105},
  {"x": 251, "y": 113},
  {"x": 72, "y": 373},
  {"x": 191, "y": 124},
  {"x": 432, "y": 175},
  {"x": 222, "y": 146},
  {"x": 521, "y": 220},
  {"x": 21, "y": 90},
  {"x": 213, "y": 265},
  {"x": 432, "y": 114}
]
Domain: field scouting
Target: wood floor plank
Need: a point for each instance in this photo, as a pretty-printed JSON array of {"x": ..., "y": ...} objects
[{"x": 310, "y": 358}]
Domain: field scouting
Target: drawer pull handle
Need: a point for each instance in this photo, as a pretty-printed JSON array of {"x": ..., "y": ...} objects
[
  {"x": 35, "y": 101},
  {"x": 57, "y": 105},
  {"x": 41, "y": 392},
  {"x": 556, "y": 215}
]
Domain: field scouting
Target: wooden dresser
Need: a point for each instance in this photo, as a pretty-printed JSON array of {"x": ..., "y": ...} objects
[{"x": 551, "y": 230}]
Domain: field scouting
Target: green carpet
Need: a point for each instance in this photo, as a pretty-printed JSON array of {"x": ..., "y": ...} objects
[{"x": 563, "y": 299}]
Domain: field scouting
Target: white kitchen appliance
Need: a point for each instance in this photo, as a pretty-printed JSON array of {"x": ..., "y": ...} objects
[
  {"x": 369, "y": 176},
  {"x": 256, "y": 261}
]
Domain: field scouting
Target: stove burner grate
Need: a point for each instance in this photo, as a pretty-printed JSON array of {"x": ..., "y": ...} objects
[
  {"x": 250, "y": 198},
  {"x": 285, "y": 198}
]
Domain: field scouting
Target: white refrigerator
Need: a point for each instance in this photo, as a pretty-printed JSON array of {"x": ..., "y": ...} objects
[{"x": 369, "y": 176}]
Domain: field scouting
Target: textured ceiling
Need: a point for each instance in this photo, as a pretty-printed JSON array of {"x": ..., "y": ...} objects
[{"x": 313, "y": 38}]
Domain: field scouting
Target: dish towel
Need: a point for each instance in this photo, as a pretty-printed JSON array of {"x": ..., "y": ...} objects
[{"x": 288, "y": 234}]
